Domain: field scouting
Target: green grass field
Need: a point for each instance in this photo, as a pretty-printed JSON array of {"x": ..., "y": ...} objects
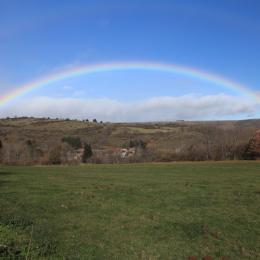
[{"x": 142, "y": 211}]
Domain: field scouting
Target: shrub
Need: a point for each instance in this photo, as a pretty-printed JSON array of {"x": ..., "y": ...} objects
[
  {"x": 75, "y": 142},
  {"x": 138, "y": 143},
  {"x": 87, "y": 153},
  {"x": 55, "y": 155},
  {"x": 29, "y": 143}
]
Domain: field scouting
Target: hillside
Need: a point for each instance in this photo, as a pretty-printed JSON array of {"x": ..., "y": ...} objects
[{"x": 35, "y": 140}]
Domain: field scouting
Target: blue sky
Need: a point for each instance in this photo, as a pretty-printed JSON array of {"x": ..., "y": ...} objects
[{"x": 39, "y": 37}]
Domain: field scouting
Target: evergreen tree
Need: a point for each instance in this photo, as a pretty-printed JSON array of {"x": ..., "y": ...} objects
[{"x": 87, "y": 153}]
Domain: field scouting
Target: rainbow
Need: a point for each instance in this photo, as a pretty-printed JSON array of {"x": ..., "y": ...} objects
[{"x": 126, "y": 66}]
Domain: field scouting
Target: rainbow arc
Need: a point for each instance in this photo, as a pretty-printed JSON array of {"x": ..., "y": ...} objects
[{"x": 127, "y": 66}]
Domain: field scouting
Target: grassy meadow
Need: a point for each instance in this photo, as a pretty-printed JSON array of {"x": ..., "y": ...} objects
[{"x": 137, "y": 211}]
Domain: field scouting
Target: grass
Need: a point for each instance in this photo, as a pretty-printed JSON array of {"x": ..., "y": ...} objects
[
  {"x": 142, "y": 211},
  {"x": 142, "y": 130}
]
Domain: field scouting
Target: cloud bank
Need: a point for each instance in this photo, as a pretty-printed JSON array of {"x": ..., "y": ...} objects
[{"x": 188, "y": 107}]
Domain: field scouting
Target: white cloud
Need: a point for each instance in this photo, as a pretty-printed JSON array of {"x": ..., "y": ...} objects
[
  {"x": 67, "y": 87},
  {"x": 188, "y": 107}
]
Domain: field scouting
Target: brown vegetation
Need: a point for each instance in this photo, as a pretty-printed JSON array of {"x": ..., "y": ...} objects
[
  {"x": 48, "y": 141},
  {"x": 253, "y": 148}
]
